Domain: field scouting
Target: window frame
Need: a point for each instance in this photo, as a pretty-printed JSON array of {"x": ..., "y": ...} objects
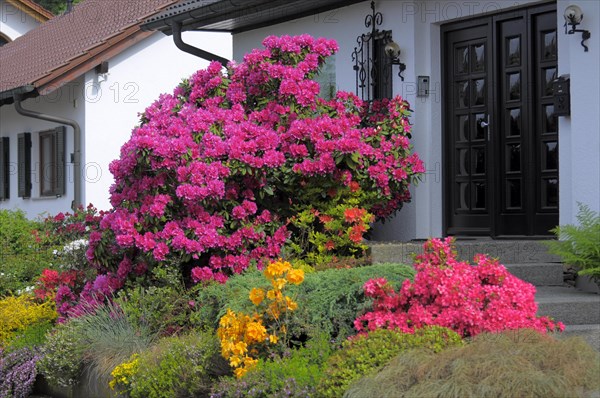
[{"x": 55, "y": 165}]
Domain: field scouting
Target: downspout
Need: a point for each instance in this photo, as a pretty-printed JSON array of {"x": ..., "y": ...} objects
[
  {"x": 76, "y": 143},
  {"x": 194, "y": 50}
]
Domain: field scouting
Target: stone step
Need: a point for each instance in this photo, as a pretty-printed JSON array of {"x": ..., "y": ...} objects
[
  {"x": 507, "y": 251},
  {"x": 568, "y": 305},
  {"x": 538, "y": 274}
]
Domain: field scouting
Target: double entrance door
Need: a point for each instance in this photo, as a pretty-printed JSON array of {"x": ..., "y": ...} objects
[{"x": 500, "y": 130}]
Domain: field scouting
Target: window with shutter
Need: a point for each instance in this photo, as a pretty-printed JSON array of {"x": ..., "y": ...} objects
[
  {"x": 24, "y": 161},
  {"x": 4, "y": 169},
  {"x": 52, "y": 162}
]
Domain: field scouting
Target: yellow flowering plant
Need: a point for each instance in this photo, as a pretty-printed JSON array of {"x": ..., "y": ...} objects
[
  {"x": 123, "y": 373},
  {"x": 17, "y": 313},
  {"x": 243, "y": 336}
]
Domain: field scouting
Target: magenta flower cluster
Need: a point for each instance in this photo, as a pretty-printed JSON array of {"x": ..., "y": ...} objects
[
  {"x": 214, "y": 171},
  {"x": 469, "y": 299}
]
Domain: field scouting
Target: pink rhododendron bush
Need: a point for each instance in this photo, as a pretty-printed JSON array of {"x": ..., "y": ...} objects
[
  {"x": 210, "y": 179},
  {"x": 470, "y": 299}
]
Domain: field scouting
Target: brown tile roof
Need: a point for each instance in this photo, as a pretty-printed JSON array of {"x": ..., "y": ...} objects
[
  {"x": 69, "y": 45},
  {"x": 32, "y": 8}
]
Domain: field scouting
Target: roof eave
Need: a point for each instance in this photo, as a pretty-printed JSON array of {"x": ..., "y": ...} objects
[
  {"x": 201, "y": 17},
  {"x": 36, "y": 11},
  {"x": 8, "y": 96}
]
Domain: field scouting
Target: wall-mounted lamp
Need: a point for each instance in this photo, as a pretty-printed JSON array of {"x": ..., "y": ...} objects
[
  {"x": 573, "y": 17},
  {"x": 392, "y": 50}
]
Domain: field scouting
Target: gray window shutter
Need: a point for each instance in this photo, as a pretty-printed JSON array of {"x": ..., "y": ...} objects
[
  {"x": 59, "y": 144},
  {"x": 4, "y": 168},
  {"x": 24, "y": 160}
]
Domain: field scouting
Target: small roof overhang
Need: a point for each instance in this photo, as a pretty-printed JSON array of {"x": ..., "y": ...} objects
[{"x": 237, "y": 16}]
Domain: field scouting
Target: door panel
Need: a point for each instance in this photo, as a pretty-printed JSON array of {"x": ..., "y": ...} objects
[
  {"x": 500, "y": 132},
  {"x": 468, "y": 103}
]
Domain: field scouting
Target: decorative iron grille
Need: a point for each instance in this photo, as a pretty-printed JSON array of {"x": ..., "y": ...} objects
[{"x": 372, "y": 65}]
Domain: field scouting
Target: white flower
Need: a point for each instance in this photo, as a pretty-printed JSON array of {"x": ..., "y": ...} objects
[{"x": 75, "y": 245}]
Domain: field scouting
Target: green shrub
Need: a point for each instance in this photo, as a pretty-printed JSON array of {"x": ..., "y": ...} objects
[
  {"x": 32, "y": 336},
  {"x": 295, "y": 375},
  {"x": 328, "y": 301},
  {"x": 62, "y": 356},
  {"x": 177, "y": 366},
  {"x": 364, "y": 354},
  {"x": 519, "y": 363},
  {"x": 23, "y": 255},
  {"x": 579, "y": 246},
  {"x": 99, "y": 340},
  {"x": 164, "y": 306}
]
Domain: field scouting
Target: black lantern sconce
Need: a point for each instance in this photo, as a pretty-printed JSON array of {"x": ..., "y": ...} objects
[
  {"x": 373, "y": 57},
  {"x": 573, "y": 17},
  {"x": 392, "y": 50}
]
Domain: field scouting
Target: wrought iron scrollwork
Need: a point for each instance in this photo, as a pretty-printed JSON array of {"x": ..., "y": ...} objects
[{"x": 373, "y": 67}]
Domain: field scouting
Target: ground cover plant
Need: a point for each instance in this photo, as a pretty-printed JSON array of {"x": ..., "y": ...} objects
[
  {"x": 18, "y": 372},
  {"x": 365, "y": 354},
  {"x": 516, "y": 363}
]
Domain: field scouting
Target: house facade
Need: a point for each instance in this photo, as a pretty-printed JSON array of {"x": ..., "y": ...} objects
[
  {"x": 18, "y": 17},
  {"x": 506, "y": 156},
  {"x": 97, "y": 71}
]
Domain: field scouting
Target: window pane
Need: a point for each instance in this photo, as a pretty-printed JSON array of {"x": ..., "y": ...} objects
[
  {"x": 462, "y": 60},
  {"x": 479, "y": 160},
  {"x": 550, "y": 192},
  {"x": 462, "y": 94},
  {"x": 513, "y": 157},
  {"x": 478, "y": 58},
  {"x": 514, "y": 86},
  {"x": 479, "y": 190},
  {"x": 463, "y": 128},
  {"x": 326, "y": 79},
  {"x": 463, "y": 196},
  {"x": 47, "y": 166},
  {"x": 479, "y": 92},
  {"x": 513, "y": 193},
  {"x": 550, "y": 155},
  {"x": 480, "y": 130},
  {"x": 551, "y": 119},
  {"x": 513, "y": 51},
  {"x": 549, "y": 45},
  {"x": 514, "y": 124}
]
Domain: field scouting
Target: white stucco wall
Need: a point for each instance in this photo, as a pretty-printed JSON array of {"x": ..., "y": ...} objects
[
  {"x": 14, "y": 22},
  {"x": 579, "y": 134},
  {"x": 136, "y": 78},
  {"x": 60, "y": 103},
  {"x": 415, "y": 27},
  {"x": 107, "y": 107}
]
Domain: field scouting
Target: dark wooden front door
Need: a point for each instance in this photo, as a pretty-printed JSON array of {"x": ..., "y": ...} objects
[{"x": 500, "y": 131}]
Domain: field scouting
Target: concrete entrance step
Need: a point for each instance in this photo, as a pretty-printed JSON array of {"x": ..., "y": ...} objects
[
  {"x": 507, "y": 251},
  {"x": 538, "y": 274},
  {"x": 568, "y": 305}
]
